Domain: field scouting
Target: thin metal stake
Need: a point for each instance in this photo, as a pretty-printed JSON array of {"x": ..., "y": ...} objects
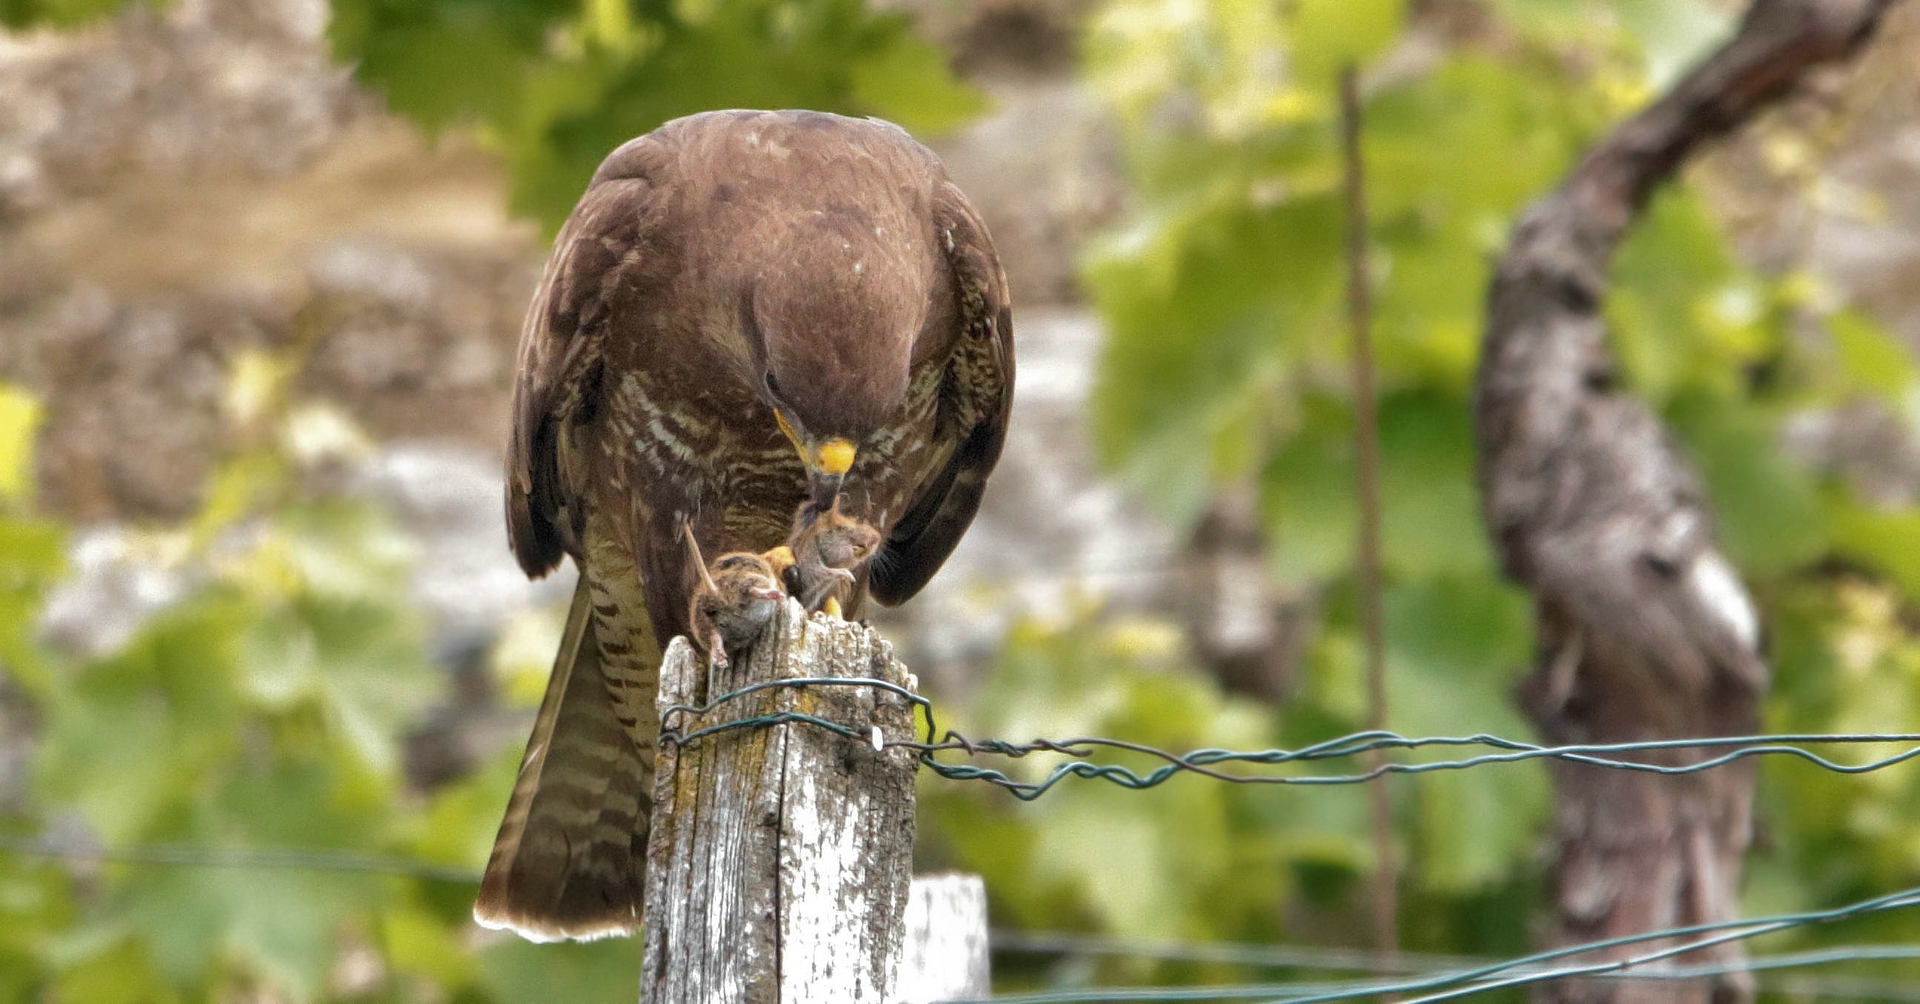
[{"x": 1386, "y": 908}]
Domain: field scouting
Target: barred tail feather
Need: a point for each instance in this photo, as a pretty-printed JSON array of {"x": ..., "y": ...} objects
[{"x": 570, "y": 860}]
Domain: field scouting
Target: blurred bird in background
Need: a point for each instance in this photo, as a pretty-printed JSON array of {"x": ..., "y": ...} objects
[{"x": 748, "y": 313}]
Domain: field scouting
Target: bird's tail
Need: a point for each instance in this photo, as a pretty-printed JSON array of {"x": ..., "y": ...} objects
[{"x": 570, "y": 860}]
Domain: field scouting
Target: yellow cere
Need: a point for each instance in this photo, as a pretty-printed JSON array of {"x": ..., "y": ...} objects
[{"x": 835, "y": 456}]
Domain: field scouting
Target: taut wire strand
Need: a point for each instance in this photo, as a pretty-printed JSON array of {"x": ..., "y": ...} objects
[
  {"x": 1203, "y": 761},
  {"x": 1438, "y": 978},
  {"x": 1525, "y": 969}
]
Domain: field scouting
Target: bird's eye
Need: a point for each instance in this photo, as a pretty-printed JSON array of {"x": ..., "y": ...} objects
[{"x": 773, "y": 387}]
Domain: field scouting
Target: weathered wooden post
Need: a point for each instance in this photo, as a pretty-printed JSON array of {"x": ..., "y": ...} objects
[
  {"x": 781, "y": 853},
  {"x": 946, "y": 946}
]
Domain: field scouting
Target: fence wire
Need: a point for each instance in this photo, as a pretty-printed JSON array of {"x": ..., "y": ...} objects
[
  {"x": 1431, "y": 986},
  {"x": 1421, "y": 979},
  {"x": 1326, "y": 959},
  {"x": 1203, "y": 762},
  {"x": 1554, "y": 964},
  {"x": 1438, "y": 977},
  {"x": 198, "y": 856}
]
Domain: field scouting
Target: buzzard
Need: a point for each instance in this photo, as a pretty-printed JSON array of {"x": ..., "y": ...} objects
[{"x": 747, "y": 311}]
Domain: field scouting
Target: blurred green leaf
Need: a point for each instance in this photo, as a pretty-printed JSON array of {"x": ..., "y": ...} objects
[
  {"x": 1887, "y": 541},
  {"x": 1454, "y": 648},
  {"x": 18, "y": 14},
  {"x": 32, "y": 558},
  {"x": 1673, "y": 279},
  {"x": 127, "y": 737},
  {"x": 1242, "y": 296},
  {"x": 1329, "y": 34},
  {"x": 1767, "y": 503},
  {"x": 909, "y": 78},
  {"x": 119, "y": 971},
  {"x": 1308, "y": 492},
  {"x": 1872, "y": 360},
  {"x": 558, "y": 84},
  {"x": 19, "y": 420},
  {"x": 1673, "y": 34},
  {"x": 35, "y": 902},
  {"x": 280, "y": 923},
  {"x": 599, "y": 972},
  {"x": 1430, "y": 509},
  {"x": 1660, "y": 38},
  {"x": 438, "y": 62}
]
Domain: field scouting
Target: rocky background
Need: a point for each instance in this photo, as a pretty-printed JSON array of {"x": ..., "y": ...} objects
[{"x": 180, "y": 187}]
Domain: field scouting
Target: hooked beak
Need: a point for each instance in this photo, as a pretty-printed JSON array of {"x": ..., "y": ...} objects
[{"x": 827, "y": 462}]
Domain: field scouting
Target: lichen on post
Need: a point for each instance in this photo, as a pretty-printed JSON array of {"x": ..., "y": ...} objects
[{"x": 781, "y": 851}]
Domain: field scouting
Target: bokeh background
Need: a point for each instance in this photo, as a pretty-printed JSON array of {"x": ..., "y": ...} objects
[{"x": 266, "y": 667}]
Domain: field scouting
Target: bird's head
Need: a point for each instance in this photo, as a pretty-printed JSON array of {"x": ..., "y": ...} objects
[
  {"x": 833, "y": 325},
  {"x": 827, "y": 456}
]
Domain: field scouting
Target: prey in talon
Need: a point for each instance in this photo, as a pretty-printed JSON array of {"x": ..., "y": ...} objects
[
  {"x": 827, "y": 548},
  {"x": 733, "y": 602}
]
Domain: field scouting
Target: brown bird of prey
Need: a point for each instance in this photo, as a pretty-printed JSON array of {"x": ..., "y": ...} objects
[{"x": 747, "y": 311}]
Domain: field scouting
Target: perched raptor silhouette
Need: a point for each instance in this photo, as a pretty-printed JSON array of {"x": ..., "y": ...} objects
[{"x": 746, "y": 312}]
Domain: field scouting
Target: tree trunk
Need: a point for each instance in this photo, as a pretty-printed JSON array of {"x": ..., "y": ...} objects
[{"x": 1644, "y": 630}]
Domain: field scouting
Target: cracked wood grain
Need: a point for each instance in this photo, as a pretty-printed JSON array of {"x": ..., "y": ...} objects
[{"x": 780, "y": 859}]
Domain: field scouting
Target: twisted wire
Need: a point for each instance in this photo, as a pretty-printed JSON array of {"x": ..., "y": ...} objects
[
  {"x": 1535, "y": 968},
  {"x": 1441, "y": 979},
  {"x": 1204, "y": 761}
]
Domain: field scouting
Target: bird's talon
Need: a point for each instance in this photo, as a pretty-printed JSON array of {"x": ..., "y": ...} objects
[{"x": 832, "y": 608}]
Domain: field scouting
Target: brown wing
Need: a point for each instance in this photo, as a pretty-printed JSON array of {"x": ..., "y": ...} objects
[
  {"x": 569, "y": 861},
  {"x": 561, "y": 344},
  {"x": 975, "y": 402}
]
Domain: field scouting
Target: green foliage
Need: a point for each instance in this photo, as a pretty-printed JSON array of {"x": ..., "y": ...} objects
[
  {"x": 18, "y": 14},
  {"x": 1198, "y": 863},
  {"x": 263, "y": 711},
  {"x": 1198, "y": 860},
  {"x": 558, "y": 84},
  {"x": 266, "y": 709},
  {"x": 1228, "y": 361},
  {"x": 31, "y": 550}
]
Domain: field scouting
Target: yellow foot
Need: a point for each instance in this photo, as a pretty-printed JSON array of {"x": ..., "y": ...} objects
[{"x": 832, "y": 608}]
